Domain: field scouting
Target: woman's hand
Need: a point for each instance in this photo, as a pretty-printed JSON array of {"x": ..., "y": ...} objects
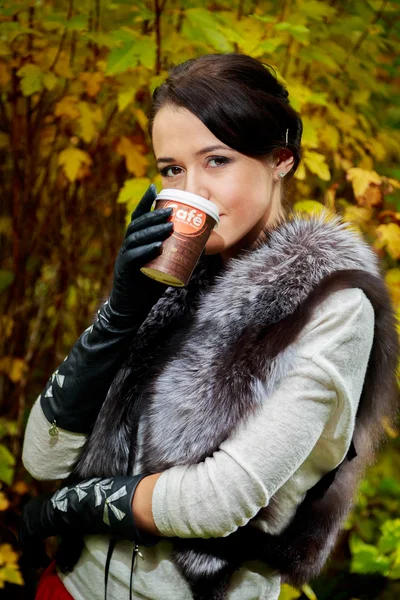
[
  {"x": 133, "y": 294},
  {"x": 94, "y": 506}
]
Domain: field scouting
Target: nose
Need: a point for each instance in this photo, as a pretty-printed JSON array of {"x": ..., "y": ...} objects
[{"x": 195, "y": 183}]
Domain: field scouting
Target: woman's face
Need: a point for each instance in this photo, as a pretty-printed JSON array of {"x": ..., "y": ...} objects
[{"x": 246, "y": 190}]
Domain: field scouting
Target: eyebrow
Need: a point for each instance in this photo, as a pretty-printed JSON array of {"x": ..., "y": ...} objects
[{"x": 167, "y": 159}]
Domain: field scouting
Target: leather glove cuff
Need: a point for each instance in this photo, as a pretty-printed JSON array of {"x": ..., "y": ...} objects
[
  {"x": 75, "y": 392},
  {"x": 95, "y": 506}
]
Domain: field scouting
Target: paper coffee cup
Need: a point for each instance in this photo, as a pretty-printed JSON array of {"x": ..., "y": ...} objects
[{"x": 194, "y": 218}]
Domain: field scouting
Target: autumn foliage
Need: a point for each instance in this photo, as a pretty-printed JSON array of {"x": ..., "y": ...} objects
[{"x": 75, "y": 84}]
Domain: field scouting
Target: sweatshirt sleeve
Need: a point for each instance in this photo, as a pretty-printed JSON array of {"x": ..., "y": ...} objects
[
  {"x": 48, "y": 457},
  {"x": 309, "y": 417}
]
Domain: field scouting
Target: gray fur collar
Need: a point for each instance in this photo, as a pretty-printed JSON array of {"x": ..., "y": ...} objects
[
  {"x": 209, "y": 354},
  {"x": 218, "y": 374}
]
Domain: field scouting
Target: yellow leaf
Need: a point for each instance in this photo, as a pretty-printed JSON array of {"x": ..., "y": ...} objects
[
  {"x": 358, "y": 215},
  {"x": 393, "y": 182},
  {"x": 124, "y": 98},
  {"x": 67, "y": 107},
  {"x": 31, "y": 79},
  {"x": 92, "y": 82},
  {"x": 392, "y": 280},
  {"x": 307, "y": 591},
  {"x": 301, "y": 172},
  {"x": 316, "y": 164},
  {"x": 309, "y": 207},
  {"x": 50, "y": 81},
  {"x": 14, "y": 368},
  {"x": 361, "y": 180},
  {"x": 288, "y": 592},
  {"x": 346, "y": 121},
  {"x": 141, "y": 118},
  {"x": 4, "y": 75},
  {"x": 378, "y": 150},
  {"x": 62, "y": 67},
  {"x": 310, "y": 133},
  {"x": 136, "y": 162},
  {"x": 388, "y": 236},
  {"x": 11, "y": 574},
  {"x": 7, "y": 554},
  {"x": 75, "y": 163},
  {"x": 329, "y": 136},
  {"x": 91, "y": 116},
  {"x": 4, "y": 502}
]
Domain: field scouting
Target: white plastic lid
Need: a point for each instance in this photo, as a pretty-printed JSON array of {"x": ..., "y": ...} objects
[{"x": 191, "y": 200}]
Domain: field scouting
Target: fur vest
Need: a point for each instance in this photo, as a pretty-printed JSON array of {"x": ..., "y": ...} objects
[{"x": 197, "y": 365}]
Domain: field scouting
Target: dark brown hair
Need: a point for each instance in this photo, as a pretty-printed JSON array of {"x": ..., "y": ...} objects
[{"x": 238, "y": 99}]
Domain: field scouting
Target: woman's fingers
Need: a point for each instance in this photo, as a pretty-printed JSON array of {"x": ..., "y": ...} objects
[
  {"x": 145, "y": 203},
  {"x": 157, "y": 232},
  {"x": 143, "y": 254},
  {"x": 159, "y": 215}
]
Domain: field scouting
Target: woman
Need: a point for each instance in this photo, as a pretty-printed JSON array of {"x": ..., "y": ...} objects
[{"x": 224, "y": 448}]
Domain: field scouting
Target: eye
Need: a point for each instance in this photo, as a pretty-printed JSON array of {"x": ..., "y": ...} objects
[
  {"x": 164, "y": 171},
  {"x": 221, "y": 159}
]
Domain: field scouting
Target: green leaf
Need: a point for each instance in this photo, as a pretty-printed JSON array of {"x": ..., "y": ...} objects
[
  {"x": 315, "y": 53},
  {"x": 264, "y": 18},
  {"x": 130, "y": 55},
  {"x": 390, "y": 539},
  {"x": 101, "y": 39},
  {"x": 388, "y": 485},
  {"x": 301, "y": 33},
  {"x": 156, "y": 80},
  {"x": 31, "y": 79},
  {"x": 7, "y": 462},
  {"x": 203, "y": 25},
  {"x": 366, "y": 558},
  {"x": 50, "y": 81},
  {"x": 317, "y": 11},
  {"x": 125, "y": 97},
  {"x": 269, "y": 46},
  {"x": 7, "y": 427},
  {"x": 6, "y": 279},
  {"x": 121, "y": 59},
  {"x": 145, "y": 50}
]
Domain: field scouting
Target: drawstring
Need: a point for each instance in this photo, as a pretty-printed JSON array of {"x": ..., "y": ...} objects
[
  {"x": 111, "y": 547},
  {"x": 110, "y": 551},
  {"x": 135, "y": 551}
]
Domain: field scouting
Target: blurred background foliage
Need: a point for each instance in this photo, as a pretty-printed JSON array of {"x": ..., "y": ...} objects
[{"x": 75, "y": 83}]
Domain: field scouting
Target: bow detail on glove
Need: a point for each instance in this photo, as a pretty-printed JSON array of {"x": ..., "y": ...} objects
[{"x": 95, "y": 506}]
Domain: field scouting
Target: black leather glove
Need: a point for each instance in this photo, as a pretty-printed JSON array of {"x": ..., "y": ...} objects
[
  {"x": 94, "y": 506},
  {"x": 76, "y": 391}
]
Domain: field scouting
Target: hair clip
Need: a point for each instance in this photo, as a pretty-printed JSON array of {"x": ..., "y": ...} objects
[{"x": 287, "y": 137}]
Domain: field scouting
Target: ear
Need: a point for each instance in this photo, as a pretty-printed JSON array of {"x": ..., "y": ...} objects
[{"x": 284, "y": 161}]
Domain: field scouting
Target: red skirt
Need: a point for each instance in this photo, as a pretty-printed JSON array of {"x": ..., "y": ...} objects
[{"x": 50, "y": 586}]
